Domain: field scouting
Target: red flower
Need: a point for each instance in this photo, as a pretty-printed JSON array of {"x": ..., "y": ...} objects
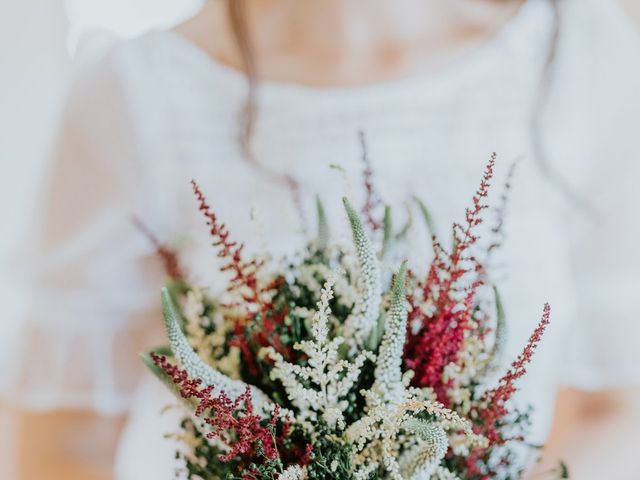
[
  {"x": 233, "y": 421},
  {"x": 244, "y": 278},
  {"x": 450, "y": 296},
  {"x": 497, "y": 398}
]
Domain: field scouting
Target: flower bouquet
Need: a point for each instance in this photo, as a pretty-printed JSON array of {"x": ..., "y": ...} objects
[{"x": 329, "y": 366}]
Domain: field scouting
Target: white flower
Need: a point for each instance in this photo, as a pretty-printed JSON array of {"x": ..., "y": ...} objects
[
  {"x": 379, "y": 435},
  {"x": 388, "y": 373},
  {"x": 293, "y": 472},
  {"x": 369, "y": 285},
  {"x": 331, "y": 378}
]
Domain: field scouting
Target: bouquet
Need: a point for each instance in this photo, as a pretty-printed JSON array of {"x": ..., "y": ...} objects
[{"x": 332, "y": 365}]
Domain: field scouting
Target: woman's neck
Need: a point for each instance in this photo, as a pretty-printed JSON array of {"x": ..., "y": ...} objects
[
  {"x": 346, "y": 42},
  {"x": 345, "y": 25}
]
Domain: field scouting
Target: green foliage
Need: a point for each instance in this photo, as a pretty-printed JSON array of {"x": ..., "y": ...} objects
[
  {"x": 406, "y": 228},
  {"x": 203, "y": 461},
  {"x": 501, "y": 328},
  {"x": 388, "y": 231},
  {"x": 375, "y": 337},
  {"x": 426, "y": 216},
  {"x": 323, "y": 225},
  {"x": 330, "y": 459},
  {"x": 391, "y": 238}
]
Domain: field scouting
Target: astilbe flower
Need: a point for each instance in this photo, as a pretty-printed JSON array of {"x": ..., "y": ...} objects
[
  {"x": 391, "y": 410},
  {"x": 255, "y": 298},
  {"x": 233, "y": 421},
  {"x": 492, "y": 414},
  {"x": 244, "y": 280},
  {"x": 443, "y": 309},
  {"x": 495, "y": 400}
]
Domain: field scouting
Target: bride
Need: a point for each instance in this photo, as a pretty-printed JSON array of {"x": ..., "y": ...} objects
[{"x": 255, "y": 99}]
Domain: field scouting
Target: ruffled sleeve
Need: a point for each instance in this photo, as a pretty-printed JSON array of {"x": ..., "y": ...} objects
[{"x": 92, "y": 284}]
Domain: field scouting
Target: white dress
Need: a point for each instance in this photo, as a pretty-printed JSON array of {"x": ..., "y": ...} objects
[{"x": 156, "y": 112}]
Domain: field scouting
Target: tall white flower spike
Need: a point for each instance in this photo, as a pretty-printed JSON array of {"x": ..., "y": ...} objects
[
  {"x": 424, "y": 458},
  {"x": 196, "y": 368},
  {"x": 388, "y": 385},
  {"x": 366, "y": 311}
]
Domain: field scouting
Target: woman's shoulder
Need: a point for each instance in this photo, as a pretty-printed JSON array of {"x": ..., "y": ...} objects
[
  {"x": 104, "y": 62},
  {"x": 151, "y": 54},
  {"x": 151, "y": 61},
  {"x": 159, "y": 78}
]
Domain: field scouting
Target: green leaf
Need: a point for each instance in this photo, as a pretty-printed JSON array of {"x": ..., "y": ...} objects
[
  {"x": 323, "y": 225},
  {"x": 375, "y": 337},
  {"x": 388, "y": 231},
  {"x": 501, "y": 326},
  {"x": 497, "y": 348},
  {"x": 401, "y": 235},
  {"x": 426, "y": 216}
]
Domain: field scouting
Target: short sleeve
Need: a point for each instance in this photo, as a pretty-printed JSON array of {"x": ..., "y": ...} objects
[
  {"x": 92, "y": 282},
  {"x": 604, "y": 237}
]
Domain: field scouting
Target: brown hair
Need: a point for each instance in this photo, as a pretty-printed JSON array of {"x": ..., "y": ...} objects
[{"x": 240, "y": 30}]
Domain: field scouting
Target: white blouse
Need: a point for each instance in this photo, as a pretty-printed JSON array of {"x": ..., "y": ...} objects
[{"x": 156, "y": 112}]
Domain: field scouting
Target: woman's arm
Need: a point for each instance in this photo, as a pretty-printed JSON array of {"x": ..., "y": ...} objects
[
  {"x": 596, "y": 435},
  {"x": 60, "y": 445}
]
